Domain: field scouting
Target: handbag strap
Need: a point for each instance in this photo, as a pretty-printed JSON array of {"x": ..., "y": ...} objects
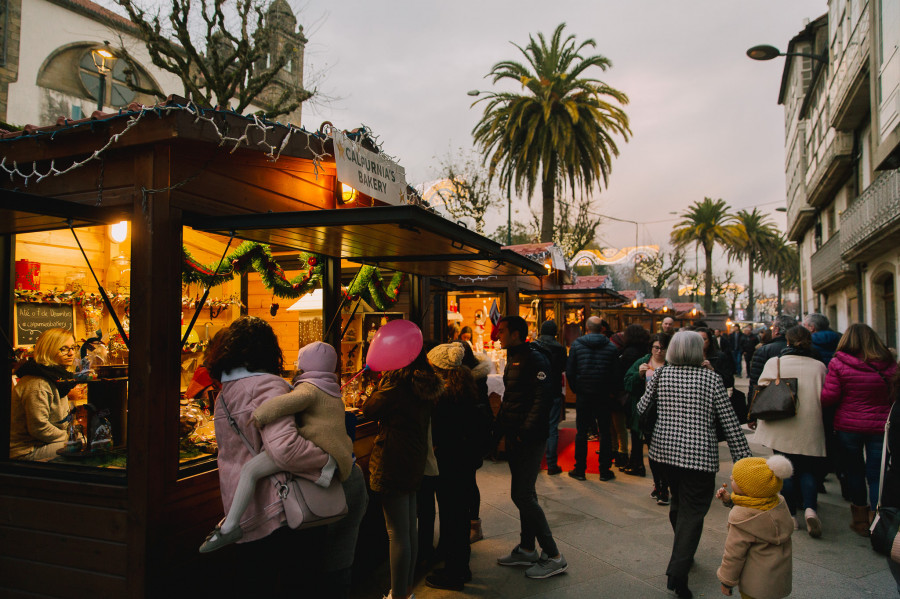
[
  {"x": 778, "y": 370},
  {"x": 887, "y": 429}
]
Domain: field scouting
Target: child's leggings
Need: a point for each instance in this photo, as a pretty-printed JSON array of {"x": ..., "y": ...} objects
[{"x": 257, "y": 467}]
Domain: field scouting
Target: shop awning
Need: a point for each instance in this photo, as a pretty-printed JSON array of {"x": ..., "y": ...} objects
[
  {"x": 402, "y": 238},
  {"x": 580, "y": 295},
  {"x": 27, "y": 213}
]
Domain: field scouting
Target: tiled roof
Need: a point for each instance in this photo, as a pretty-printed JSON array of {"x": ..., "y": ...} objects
[
  {"x": 657, "y": 303},
  {"x": 687, "y": 307},
  {"x": 629, "y": 293},
  {"x": 590, "y": 282},
  {"x": 92, "y": 9},
  {"x": 528, "y": 249}
]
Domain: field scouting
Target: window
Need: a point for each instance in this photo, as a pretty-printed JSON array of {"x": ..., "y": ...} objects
[
  {"x": 116, "y": 91},
  {"x": 54, "y": 293}
]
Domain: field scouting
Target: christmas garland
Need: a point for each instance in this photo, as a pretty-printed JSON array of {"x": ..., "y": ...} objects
[{"x": 368, "y": 283}]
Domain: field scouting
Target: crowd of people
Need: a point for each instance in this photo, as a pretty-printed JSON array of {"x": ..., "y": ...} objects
[{"x": 666, "y": 392}]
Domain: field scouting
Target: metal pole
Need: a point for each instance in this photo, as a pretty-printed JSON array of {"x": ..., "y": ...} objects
[
  {"x": 509, "y": 212},
  {"x": 102, "y": 93}
]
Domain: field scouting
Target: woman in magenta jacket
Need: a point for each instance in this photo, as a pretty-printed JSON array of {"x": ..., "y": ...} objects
[{"x": 858, "y": 383}]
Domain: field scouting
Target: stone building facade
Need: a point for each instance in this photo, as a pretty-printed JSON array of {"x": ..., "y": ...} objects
[{"x": 842, "y": 144}]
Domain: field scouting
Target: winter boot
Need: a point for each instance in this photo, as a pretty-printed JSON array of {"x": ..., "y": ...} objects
[
  {"x": 860, "y": 523},
  {"x": 475, "y": 533}
]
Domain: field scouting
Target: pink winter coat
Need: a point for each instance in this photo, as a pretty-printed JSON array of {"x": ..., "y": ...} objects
[
  {"x": 861, "y": 391},
  {"x": 280, "y": 439}
]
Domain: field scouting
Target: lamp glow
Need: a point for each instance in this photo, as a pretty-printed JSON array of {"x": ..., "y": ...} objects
[
  {"x": 348, "y": 194},
  {"x": 119, "y": 231}
]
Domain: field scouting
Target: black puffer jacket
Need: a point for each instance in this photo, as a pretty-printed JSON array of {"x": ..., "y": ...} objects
[
  {"x": 761, "y": 356},
  {"x": 591, "y": 366},
  {"x": 557, "y": 355},
  {"x": 525, "y": 411}
]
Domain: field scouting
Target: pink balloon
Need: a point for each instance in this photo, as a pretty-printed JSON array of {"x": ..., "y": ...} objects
[{"x": 395, "y": 345}]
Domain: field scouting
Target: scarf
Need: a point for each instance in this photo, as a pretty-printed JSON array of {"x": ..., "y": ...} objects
[
  {"x": 326, "y": 381},
  {"x": 763, "y": 504},
  {"x": 55, "y": 375}
]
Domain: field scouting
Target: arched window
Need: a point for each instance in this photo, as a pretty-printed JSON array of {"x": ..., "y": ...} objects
[{"x": 117, "y": 92}]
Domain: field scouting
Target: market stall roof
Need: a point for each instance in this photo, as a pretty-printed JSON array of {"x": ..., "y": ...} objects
[
  {"x": 27, "y": 213},
  {"x": 402, "y": 238}
]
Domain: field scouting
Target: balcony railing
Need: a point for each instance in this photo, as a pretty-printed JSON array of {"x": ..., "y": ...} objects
[
  {"x": 829, "y": 166},
  {"x": 872, "y": 217},
  {"x": 848, "y": 92},
  {"x": 826, "y": 266}
]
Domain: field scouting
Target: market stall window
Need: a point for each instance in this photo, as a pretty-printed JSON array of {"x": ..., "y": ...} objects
[{"x": 70, "y": 397}]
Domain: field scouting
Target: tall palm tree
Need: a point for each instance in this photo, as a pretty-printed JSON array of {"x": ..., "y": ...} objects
[
  {"x": 783, "y": 261},
  {"x": 757, "y": 236},
  {"x": 559, "y": 130},
  {"x": 705, "y": 223}
]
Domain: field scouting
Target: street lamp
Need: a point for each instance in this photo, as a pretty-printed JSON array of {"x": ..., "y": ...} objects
[
  {"x": 766, "y": 52},
  {"x": 104, "y": 60},
  {"x": 475, "y": 93}
]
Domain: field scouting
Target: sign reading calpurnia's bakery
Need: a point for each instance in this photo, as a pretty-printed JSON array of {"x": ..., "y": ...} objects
[{"x": 367, "y": 172}]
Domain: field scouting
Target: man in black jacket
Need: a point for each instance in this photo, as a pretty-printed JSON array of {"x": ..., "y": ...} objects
[
  {"x": 769, "y": 350},
  {"x": 589, "y": 371},
  {"x": 523, "y": 420},
  {"x": 557, "y": 354}
]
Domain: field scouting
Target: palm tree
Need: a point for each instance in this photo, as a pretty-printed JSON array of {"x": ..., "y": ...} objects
[
  {"x": 757, "y": 236},
  {"x": 783, "y": 261},
  {"x": 559, "y": 130},
  {"x": 705, "y": 223}
]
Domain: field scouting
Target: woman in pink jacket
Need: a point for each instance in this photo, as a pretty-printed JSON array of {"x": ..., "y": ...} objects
[
  {"x": 858, "y": 383},
  {"x": 249, "y": 363}
]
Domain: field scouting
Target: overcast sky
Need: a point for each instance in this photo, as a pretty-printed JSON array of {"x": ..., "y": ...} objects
[{"x": 704, "y": 117}]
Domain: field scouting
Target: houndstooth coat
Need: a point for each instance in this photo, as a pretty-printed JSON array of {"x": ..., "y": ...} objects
[{"x": 689, "y": 400}]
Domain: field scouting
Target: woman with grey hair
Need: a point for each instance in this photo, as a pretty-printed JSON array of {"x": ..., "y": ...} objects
[{"x": 690, "y": 399}]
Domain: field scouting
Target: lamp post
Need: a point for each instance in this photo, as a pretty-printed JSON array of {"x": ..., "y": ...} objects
[
  {"x": 104, "y": 60},
  {"x": 766, "y": 52},
  {"x": 475, "y": 93}
]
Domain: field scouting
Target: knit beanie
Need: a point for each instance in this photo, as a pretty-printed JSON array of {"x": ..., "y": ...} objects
[
  {"x": 761, "y": 477},
  {"x": 549, "y": 328},
  {"x": 317, "y": 357},
  {"x": 447, "y": 356}
]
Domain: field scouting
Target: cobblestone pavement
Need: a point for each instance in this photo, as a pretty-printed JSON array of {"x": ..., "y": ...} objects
[{"x": 617, "y": 541}]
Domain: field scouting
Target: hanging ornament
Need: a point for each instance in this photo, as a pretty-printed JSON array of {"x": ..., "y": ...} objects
[{"x": 273, "y": 309}]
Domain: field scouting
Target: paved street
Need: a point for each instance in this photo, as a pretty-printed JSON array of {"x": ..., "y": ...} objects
[{"x": 617, "y": 542}]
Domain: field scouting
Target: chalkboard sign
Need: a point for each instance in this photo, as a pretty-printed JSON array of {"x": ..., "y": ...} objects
[{"x": 32, "y": 319}]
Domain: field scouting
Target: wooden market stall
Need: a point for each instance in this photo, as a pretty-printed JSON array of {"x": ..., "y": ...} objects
[{"x": 192, "y": 185}]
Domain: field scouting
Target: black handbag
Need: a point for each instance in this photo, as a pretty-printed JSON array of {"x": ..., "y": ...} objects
[
  {"x": 775, "y": 401},
  {"x": 739, "y": 404}
]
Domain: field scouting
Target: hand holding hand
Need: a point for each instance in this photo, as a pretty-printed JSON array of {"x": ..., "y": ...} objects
[{"x": 706, "y": 364}]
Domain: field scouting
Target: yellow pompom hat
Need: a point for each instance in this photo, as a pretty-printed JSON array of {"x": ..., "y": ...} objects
[{"x": 761, "y": 477}]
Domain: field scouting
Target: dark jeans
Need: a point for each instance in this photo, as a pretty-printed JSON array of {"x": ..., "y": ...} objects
[
  {"x": 474, "y": 501},
  {"x": 692, "y": 493},
  {"x": 860, "y": 469},
  {"x": 400, "y": 519},
  {"x": 736, "y": 356},
  {"x": 524, "y": 458},
  {"x": 553, "y": 439},
  {"x": 637, "y": 450},
  {"x": 454, "y": 493},
  {"x": 801, "y": 490},
  {"x": 425, "y": 514},
  {"x": 587, "y": 414}
]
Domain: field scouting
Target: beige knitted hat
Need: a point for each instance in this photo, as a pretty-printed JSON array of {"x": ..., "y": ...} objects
[{"x": 447, "y": 356}]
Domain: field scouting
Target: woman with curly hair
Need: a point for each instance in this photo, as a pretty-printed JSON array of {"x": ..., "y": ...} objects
[
  {"x": 249, "y": 363},
  {"x": 402, "y": 404}
]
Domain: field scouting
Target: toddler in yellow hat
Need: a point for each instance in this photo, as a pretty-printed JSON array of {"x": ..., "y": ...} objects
[{"x": 758, "y": 550}]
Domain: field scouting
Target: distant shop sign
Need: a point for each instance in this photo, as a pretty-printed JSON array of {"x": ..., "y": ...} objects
[{"x": 369, "y": 173}]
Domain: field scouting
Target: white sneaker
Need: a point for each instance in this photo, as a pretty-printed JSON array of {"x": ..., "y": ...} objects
[{"x": 813, "y": 524}]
